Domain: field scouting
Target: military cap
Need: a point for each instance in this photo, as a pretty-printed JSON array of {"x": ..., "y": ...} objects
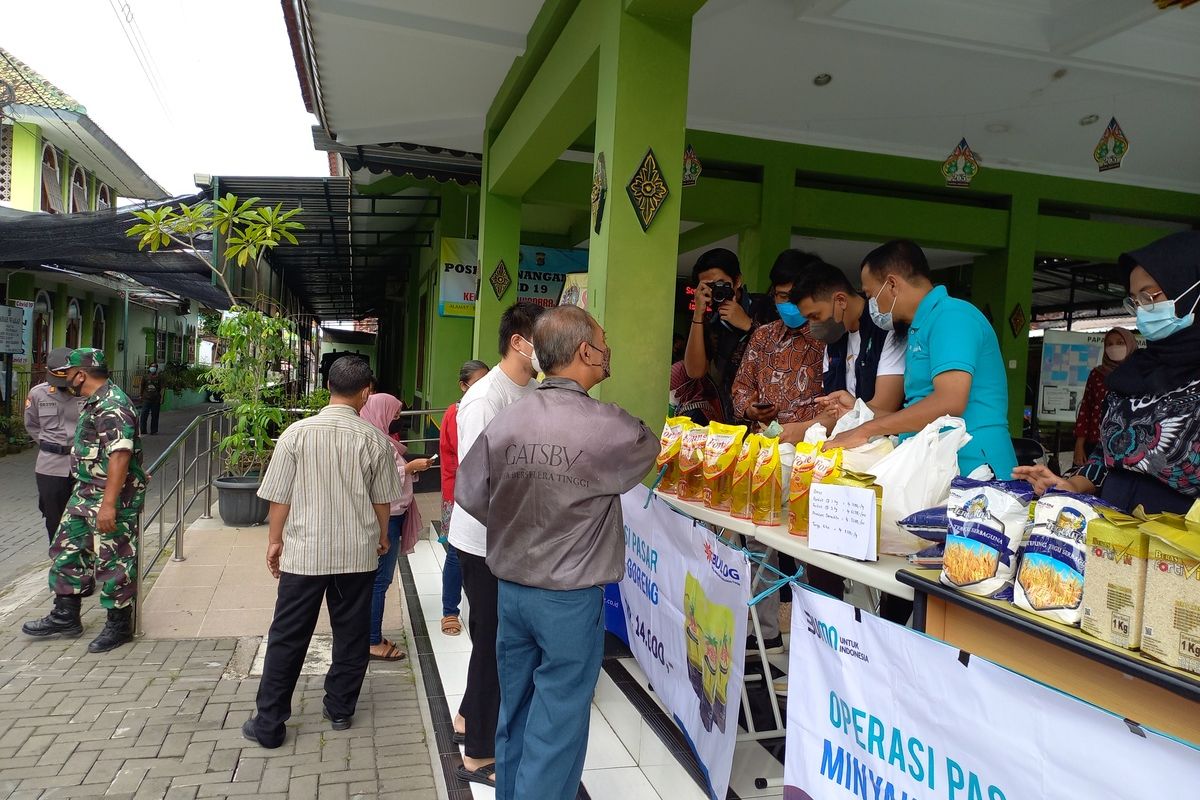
[{"x": 87, "y": 358}]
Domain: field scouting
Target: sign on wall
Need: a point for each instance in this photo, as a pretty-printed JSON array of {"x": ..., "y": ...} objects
[
  {"x": 877, "y": 710},
  {"x": 12, "y": 330},
  {"x": 26, "y": 353},
  {"x": 1068, "y": 358},
  {"x": 541, "y": 272},
  {"x": 685, "y": 596}
]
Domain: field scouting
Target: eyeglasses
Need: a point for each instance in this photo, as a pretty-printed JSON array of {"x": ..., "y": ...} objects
[
  {"x": 1140, "y": 300},
  {"x": 783, "y": 297}
]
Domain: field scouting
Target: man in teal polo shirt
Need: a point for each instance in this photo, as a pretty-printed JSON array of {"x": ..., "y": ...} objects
[{"x": 953, "y": 361}]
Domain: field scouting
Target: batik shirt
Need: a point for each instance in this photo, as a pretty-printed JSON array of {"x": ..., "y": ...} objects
[
  {"x": 108, "y": 425},
  {"x": 782, "y": 366}
]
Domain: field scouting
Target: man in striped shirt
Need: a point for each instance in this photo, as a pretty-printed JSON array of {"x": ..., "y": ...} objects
[{"x": 331, "y": 484}]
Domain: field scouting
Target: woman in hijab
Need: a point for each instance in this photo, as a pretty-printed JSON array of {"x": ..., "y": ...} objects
[
  {"x": 1149, "y": 453},
  {"x": 381, "y": 410},
  {"x": 1119, "y": 344}
]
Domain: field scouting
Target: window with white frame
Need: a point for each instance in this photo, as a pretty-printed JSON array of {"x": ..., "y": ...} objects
[
  {"x": 74, "y": 320},
  {"x": 99, "y": 328},
  {"x": 79, "y": 192},
  {"x": 103, "y": 198},
  {"x": 52, "y": 200},
  {"x": 160, "y": 346}
]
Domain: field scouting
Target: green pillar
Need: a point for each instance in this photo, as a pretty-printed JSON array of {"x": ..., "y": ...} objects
[
  {"x": 641, "y": 103},
  {"x": 759, "y": 246},
  {"x": 499, "y": 240},
  {"x": 452, "y": 338},
  {"x": 58, "y": 336},
  {"x": 1002, "y": 282},
  {"x": 87, "y": 319}
]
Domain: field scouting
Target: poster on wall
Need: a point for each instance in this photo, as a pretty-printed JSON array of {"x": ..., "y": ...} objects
[
  {"x": 541, "y": 273},
  {"x": 685, "y": 596},
  {"x": 878, "y": 710},
  {"x": 575, "y": 291},
  {"x": 25, "y": 355},
  {"x": 1068, "y": 358}
]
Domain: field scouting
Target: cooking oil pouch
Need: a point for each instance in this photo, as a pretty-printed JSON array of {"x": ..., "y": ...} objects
[
  {"x": 668, "y": 453},
  {"x": 766, "y": 485},
  {"x": 799, "y": 485},
  {"x": 721, "y": 453},
  {"x": 691, "y": 464},
  {"x": 743, "y": 471},
  {"x": 986, "y": 526},
  {"x": 1050, "y": 575}
]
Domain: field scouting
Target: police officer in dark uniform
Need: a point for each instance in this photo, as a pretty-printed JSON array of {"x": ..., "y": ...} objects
[{"x": 51, "y": 414}]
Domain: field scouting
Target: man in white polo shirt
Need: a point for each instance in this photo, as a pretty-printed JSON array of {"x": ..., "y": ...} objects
[{"x": 513, "y": 378}]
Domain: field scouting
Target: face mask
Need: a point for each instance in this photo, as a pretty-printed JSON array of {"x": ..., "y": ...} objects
[
  {"x": 882, "y": 319},
  {"x": 605, "y": 361},
  {"x": 396, "y": 427},
  {"x": 532, "y": 356},
  {"x": 790, "y": 314},
  {"x": 1159, "y": 321},
  {"x": 1116, "y": 352},
  {"x": 830, "y": 330},
  {"x": 154, "y": 370},
  {"x": 76, "y": 389}
]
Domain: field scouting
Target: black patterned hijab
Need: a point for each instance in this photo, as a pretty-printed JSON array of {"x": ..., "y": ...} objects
[{"x": 1174, "y": 263}]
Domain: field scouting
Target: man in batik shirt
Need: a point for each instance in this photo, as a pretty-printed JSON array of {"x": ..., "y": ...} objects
[{"x": 100, "y": 529}]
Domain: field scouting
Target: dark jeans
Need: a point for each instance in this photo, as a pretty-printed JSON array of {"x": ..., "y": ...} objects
[
  {"x": 53, "y": 493},
  {"x": 150, "y": 414},
  {"x": 348, "y": 597},
  {"x": 481, "y": 700},
  {"x": 452, "y": 583},
  {"x": 383, "y": 577}
]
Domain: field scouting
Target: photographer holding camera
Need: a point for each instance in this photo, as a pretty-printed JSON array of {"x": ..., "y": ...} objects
[{"x": 722, "y": 321}]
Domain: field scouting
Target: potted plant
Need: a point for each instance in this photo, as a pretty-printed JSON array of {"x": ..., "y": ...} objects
[{"x": 253, "y": 341}]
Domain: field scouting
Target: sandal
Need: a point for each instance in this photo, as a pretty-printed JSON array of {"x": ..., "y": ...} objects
[
  {"x": 393, "y": 653},
  {"x": 482, "y": 775},
  {"x": 451, "y": 625}
]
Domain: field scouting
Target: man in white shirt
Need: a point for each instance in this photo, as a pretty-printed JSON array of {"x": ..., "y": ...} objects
[{"x": 510, "y": 380}]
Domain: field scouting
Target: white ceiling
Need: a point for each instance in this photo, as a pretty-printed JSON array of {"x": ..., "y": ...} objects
[{"x": 909, "y": 76}]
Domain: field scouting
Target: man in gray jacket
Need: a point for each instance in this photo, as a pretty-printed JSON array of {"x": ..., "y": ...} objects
[{"x": 549, "y": 494}]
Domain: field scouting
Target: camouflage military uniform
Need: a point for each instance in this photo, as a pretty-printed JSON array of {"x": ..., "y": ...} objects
[{"x": 107, "y": 425}]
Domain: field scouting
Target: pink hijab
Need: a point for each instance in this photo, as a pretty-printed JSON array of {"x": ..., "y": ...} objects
[{"x": 380, "y": 410}]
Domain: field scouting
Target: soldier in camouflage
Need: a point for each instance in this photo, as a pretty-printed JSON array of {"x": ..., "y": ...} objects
[{"x": 100, "y": 527}]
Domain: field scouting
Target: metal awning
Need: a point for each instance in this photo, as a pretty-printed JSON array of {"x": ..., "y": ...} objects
[
  {"x": 1062, "y": 287},
  {"x": 354, "y": 249},
  {"x": 95, "y": 243},
  {"x": 400, "y": 158}
]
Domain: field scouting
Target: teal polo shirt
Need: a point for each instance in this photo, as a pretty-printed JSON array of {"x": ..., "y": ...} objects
[{"x": 951, "y": 334}]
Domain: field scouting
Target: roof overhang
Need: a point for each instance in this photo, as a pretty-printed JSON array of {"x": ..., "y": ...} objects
[
  {"x": 91, "y": 146},
  {"x": 403, "y": 159}
]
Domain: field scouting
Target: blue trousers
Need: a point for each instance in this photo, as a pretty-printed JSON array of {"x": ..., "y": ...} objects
[
  {"x": 452, "y": 585},
  {"x": 383, "y": 577},
  {"x": 548, "y": 650}
]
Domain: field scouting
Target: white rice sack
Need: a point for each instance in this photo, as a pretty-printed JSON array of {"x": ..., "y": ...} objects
[
  {"x": 985, "y": 527},
  {"x": 1050, "y": 575}
]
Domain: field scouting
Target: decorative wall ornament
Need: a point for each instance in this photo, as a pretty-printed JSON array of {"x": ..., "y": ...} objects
[
  {"x": 647, "y": 190},
  {"x": 1017, "y": 320},
  {"x": 691, "y": 167},
  {"x": 599, "y": 192},
  {"x": 500, "y": 280},
  {"x": 1112, "y": 147},
  {"x": 961, "y": 166}
]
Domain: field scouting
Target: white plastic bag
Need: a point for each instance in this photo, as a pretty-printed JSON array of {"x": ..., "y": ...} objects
[
  {"x": 861, "y": 413},
  {"x": 816, "y": 434},
  {"x": 915, "y": 476}
]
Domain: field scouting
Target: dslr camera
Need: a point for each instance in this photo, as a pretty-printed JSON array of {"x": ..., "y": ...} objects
[{"x": 722, "y": 292}]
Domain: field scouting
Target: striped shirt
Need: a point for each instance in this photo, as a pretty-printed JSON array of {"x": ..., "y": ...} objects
[{"x": 331, "y": 469}]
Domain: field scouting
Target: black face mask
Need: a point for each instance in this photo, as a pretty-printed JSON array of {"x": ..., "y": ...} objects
[
  {"x": 76, "y": 389},
  {"x": 396, "y": 427}
]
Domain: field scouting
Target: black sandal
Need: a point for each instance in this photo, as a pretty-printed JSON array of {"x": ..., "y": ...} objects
[{"x": 482, "y": 775}]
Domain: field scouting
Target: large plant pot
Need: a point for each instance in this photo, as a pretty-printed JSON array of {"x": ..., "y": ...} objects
[{"x": 238, "y": 501}]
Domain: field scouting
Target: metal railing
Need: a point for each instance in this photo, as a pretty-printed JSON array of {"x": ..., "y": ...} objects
[{"x": 183, "y": 476}]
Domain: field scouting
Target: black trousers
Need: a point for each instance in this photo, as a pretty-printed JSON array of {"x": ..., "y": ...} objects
[
  {"x": 481, "y": 701},
  {"x": 53, "y": 493},
  {"x": 150, "y": 414},
  {"x": 297, "y": 609}
]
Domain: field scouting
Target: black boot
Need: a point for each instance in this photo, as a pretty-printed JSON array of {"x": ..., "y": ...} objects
[
  {"x": 117, "y": 631},
  {"x": 62, "y": 621}
]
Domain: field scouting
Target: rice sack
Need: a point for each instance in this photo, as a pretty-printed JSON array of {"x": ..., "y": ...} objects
[
  {"x": 986, "y": 524},
  {"x": 1114, "y": 592},
  {"x": 720, "y": 456},
  {"x": 1171, "y": 619},
  {"x": 743, "y": 471},
  {"x": 1050, "y": 574},
  {"x": 691, "y": 464},
  {"x": 668, "y": 452},
  {"x": 766, "y": 485},
  {"x": 929, "y": 524}
]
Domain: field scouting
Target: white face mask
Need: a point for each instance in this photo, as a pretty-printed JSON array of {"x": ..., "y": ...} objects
[
  {"x": 1116, "y": 352},
  {"x": 532, "y": 356}
]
